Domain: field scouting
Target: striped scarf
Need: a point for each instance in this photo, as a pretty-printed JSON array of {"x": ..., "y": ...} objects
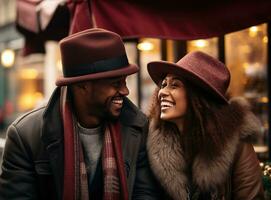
[{"x": 75, "y": 174}]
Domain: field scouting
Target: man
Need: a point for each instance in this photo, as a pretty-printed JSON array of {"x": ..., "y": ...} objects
[{"x": 89, "y": 141}]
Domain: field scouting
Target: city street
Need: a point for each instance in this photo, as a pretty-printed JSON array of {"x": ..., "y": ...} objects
[{"x": 199, "y": 70}]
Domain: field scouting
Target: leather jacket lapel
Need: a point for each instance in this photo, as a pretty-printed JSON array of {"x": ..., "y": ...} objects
[
  {"x": 55, "y": 152},
  {"x": 52, "y": 137}
]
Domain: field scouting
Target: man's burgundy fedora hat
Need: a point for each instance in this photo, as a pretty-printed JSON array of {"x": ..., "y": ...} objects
[
  {"x": 197, "y": 67},
  {"x": 93, "y": 54}
]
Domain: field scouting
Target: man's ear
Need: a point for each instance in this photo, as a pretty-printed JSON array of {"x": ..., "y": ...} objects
[{"x": 78, "y": 87}]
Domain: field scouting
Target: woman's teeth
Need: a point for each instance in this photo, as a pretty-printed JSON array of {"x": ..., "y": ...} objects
[{"x": 166, "y": 104}]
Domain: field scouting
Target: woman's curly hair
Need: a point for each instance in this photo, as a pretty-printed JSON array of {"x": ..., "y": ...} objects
[{"x": 208, "y": 122}]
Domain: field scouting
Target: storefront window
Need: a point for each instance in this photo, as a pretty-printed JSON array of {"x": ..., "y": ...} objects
[
  {"x": 30, "y": 89},
  {"x": 132, "y": 79},
  {"x": 7, "y": 11},
  {"x": 149, "y": 51},
  {"x": 246, "y": 57},
  {"x": 29, "y": 83},
  {"x": 209, "y": 46}
]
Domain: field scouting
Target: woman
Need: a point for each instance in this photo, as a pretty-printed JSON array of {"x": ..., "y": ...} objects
[{"x": 198, "y": 140}]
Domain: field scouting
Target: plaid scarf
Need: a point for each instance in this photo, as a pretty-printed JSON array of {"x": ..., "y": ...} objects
[{"x": 75, "y": 175}]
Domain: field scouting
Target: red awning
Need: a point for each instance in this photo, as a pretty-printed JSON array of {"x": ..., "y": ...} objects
[
  {"x": 170, "y": 19},
  {"x": 174, "y": 19},
  {"x": 31, "y": 18}
]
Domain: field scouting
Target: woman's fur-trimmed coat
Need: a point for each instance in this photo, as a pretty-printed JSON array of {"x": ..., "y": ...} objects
[{"x": 233, "y": 174}]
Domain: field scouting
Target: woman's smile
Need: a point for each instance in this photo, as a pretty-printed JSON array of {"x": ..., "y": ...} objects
[{"x": 166, "y": 104}]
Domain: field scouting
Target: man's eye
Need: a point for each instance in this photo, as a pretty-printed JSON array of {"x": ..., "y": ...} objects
[{"x": 116, "y": 84}]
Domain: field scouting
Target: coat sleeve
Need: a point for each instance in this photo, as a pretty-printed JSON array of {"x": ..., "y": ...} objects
[
  {"x": 146, "y": 187},
  {"x": 17, "y": 180},
  {"x": 247, "y": 175}
]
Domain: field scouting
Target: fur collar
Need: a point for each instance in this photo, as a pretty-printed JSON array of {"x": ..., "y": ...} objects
[{"x": 168, "y": 163}]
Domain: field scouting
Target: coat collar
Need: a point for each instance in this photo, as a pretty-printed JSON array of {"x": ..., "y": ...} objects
[
  {"x": 168, "y": 163},
  {"x": 52, "y": 137},
  {"x": 131, "y": 116},
  {"x": 52, "y": 128},
  {"x": 52, "y": 132}
]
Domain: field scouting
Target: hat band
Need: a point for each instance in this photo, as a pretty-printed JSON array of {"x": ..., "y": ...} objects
[{"x": 96, "y": 67}]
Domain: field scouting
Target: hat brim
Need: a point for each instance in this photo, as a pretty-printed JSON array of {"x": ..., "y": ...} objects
[
  {"x": 128, "y": 70},
  {"x": 159, "y": 69}
]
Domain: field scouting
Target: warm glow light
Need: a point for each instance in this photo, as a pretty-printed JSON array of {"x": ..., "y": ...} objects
[
  {"x": 28, "y": 101},
  {"x": 29, "y": 73},
  {"x": 38, "y": 96},
  {"x": 265, "y": 39},
  {"x": 200, "y": 43},
  {"x": 260, "y": 149},
  {"x": 7, "y": 58},
  {"x": 59, "y": 65},
  {"x": 252, "y": 69},
  {"x": 253, "y": 31},
  {"x": 264, "y": 100},
  {"x": 266, "y": 125},
  {"x": 145, "y": 46},
  {"x": 245, "y": 65}
]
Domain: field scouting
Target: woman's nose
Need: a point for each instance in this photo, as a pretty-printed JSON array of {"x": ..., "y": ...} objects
[{"x": 163, "y": 92}]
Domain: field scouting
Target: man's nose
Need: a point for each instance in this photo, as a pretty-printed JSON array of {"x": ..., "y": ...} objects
[{"x": 124, "y": 90}]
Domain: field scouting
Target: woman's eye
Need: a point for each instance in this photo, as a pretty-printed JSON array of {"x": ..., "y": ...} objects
[
  {"x": 163, "y": 85},
  {"x": 176, "y": 84}
]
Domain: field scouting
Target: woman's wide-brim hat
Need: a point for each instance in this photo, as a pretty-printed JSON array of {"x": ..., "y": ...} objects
[
  {"x": 93, "y": 54},
  {"x": 199, "y": 68}
]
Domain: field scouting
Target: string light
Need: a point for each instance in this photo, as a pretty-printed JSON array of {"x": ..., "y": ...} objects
[
  {"x": 200, "y": 43},
  {"x": 145, "y": 46},
  {"x": 253, "y": 31},
  {"x": 7, "y": 58}
]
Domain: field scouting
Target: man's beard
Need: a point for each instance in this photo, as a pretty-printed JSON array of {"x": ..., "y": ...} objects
[{"x": 108, "y": 116}]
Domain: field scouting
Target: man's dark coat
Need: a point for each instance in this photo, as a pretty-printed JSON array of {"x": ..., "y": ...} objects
[{"x": 33, "y": 157}]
